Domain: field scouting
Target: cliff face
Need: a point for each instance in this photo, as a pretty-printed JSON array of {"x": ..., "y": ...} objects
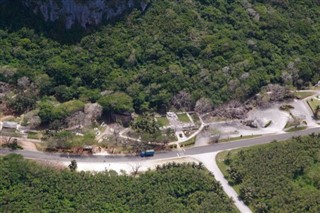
[{"x": 83, "y": 12}]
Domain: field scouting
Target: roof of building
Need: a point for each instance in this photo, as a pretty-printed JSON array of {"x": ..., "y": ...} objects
[{"x": 9, "y": 124}]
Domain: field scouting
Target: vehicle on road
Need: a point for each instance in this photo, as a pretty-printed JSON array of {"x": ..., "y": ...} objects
[{"x": 147, "y": 153}]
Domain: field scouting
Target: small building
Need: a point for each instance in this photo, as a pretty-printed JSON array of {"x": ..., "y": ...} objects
[
  {"x": 10, "y": 125},
  {"x": 172, "y": 115}
]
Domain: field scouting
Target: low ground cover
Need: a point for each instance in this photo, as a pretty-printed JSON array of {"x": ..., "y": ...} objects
[
  {"x": 295, "y": 129},
  {"x": 195, "y": 119},
  {"x": 189, "y": 142},
  {"x": 238, "y": 138},
  {"x": 313, "y": 104},
  {"x": 163, "y": 121},
  {"x": 10, "y": 133},
  {"x": 302, "y": 94},
  {"x": 183, "y": 118},
  {"x": 34, "y": 135}
]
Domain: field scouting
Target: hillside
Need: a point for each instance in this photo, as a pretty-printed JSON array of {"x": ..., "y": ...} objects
[
  {"x": 181, "y": 50},
  {"x": 29, "y": 187}
]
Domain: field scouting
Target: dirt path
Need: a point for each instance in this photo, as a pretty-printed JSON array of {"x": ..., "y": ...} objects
[
  {"x": 29, "y": 146},
  {"x": 6, "y": 117},
  {"x": 106, "y": 132}
]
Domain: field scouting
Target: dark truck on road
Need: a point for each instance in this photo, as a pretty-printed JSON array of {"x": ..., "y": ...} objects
[{"x": 147, "y": 153}]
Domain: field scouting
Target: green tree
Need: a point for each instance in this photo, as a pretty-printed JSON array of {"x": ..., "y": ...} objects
[
  {"x": 22, "y": 103},
  {"x": 73, "y": 166},
  {"x": 147, "y": 124},
  {"x": 116, "y": 103},
  {"x": 46, "y": 112}
]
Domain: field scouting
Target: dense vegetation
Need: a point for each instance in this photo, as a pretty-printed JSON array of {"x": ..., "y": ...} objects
[
  {"x": 278, "y": 177},
  {"x": 28, "y": 187},
  {"x": 221, "y": 50}
]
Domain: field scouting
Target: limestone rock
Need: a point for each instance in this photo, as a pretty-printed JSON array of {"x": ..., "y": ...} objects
[{"x": 85, "y": 13}]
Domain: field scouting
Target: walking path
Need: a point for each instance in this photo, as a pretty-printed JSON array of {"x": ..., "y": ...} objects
[
  {"x": 209, "y": 161},
  {"x": 191, "y": 136},
  {"x": 122, "y": 134}
]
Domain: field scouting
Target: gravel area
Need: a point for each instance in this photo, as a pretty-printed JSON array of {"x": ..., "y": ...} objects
[{"x": 128, "y": 167}]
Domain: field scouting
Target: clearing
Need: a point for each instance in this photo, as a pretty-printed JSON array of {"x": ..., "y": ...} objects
[
  {"x": 313, "y": 104},
  {"x": 183, "y": 118},
  {"x": 163, "y": 121}
]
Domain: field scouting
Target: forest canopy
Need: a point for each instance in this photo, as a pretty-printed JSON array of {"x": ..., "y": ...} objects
[
  {"x": 220, "y": 50},
  {"x": 278, "y": 177},
  {"x": 26, "y": 186}
]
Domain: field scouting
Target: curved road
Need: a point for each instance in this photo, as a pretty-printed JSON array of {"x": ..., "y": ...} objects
[
  {"x": 195, "y": 151},
  {"x": 163, "y": 155}
]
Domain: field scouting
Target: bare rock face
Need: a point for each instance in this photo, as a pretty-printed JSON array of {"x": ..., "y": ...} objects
[
  {"x": 92, "y": 113},
  {"x": 85, "y": 118},
  {"x": 83, "y": 12}
]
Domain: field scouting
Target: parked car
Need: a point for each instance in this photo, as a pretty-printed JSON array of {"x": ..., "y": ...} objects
[{"x": 147, "y": 153}]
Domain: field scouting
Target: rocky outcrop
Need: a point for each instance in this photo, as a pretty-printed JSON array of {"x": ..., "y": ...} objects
[
  {"x": 86, "y": 118},
  {"x": 83, "y": 12}
]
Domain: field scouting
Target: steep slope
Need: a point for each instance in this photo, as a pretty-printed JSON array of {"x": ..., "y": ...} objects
[
  {"x": 184, "y": 50},
  {"x": 83, "y": 12}
]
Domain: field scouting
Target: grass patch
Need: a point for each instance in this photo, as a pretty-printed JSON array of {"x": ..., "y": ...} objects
[
  {"x": 172, "y": 137},
  {"x": 195, "y": 118},
  {"x": 189, "y": 142},
  {"x": 34, "y": 135},
  {"x": 313, "y": 103},
  {"x": 183, "y": 118},
  {"x": 302, "y": 95},
  {"x": 163, "y": 121},
  {"x": 10, "y": 134},
  {"x": 220, "y": 159},
  {"x": 238, "y": 138},
  {"x": 295, "y": 129},
  {"x": 220, "y": 162}
]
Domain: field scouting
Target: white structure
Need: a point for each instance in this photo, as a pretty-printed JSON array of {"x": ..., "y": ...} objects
[
  {"x": 9, "y": 125},
  {"x": 172, "y": 115}
]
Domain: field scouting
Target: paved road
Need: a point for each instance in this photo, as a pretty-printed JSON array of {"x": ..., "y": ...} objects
[
  {"x": 212, "y": 166},
  {"x": 164, "y": 155},
  {"x": 195, "y": 151}
]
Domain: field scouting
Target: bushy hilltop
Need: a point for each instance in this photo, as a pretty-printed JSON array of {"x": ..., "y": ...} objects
[{"x": 172, "y": 54}]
